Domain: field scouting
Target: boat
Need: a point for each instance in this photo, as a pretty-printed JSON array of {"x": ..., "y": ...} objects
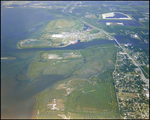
[{"x": 75, "y": 43}]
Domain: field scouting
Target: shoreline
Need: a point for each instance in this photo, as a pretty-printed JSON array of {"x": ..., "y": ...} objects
[
  {"x": 34, "y": 112},
  {"x": 7, "y": 58}
]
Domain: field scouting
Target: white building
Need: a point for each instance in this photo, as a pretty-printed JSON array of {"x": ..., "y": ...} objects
[
  {"x": 57, "y": 35},
  {"x": 147, "y": 95}
]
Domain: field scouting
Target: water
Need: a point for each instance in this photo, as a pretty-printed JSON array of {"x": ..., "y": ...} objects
[
  {"x": 125, "y": 22},
  {"x": 21, "y": 23},
  {"x": 86, "y": 27},
  {"x": 10, "y": 106},
  {"x": 18, "y": 24},
  {"x": 133, "y": 41},
  {"x": 118, "y": 15}
]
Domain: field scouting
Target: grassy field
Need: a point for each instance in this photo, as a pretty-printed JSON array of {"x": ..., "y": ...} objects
[
  {"x": 97, "y": 100},
  {"x": 44, "y": 66},
  {"x": 63, "y": 68},
  {"x": 88, "y": 62},
  {"x": 87, "y": 91},
  {"x": 87, "y": 100},
  {"x": 33, "y": 44},
  {"x": 62, "y": 25},
  {"x": 94, "y": 31},
  {"x": 36, "y": 68}
]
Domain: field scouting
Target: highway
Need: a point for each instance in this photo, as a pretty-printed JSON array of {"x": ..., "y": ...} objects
[{"x": 142, "y": 75}]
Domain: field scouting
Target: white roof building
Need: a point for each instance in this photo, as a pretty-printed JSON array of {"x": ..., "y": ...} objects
[
  {"x": 57, "y": 35},
  {"x": 147, "y": 95}
]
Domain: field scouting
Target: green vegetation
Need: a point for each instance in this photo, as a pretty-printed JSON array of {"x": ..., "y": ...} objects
[
  {"x": 28, "y": 43},
  {"x": 63, "y": 68},
  {"x": 90, "y": 98},
  {"x": 62, "y": 25},
  {"x": 36, "y": 68},
  {"x": 88, "y": 89},
  {"x": 94, "y": 31},
  {"x": 106, "y": 76},
  {"x": 146, "y": 70},
  {"x": 55, "y": 66}
]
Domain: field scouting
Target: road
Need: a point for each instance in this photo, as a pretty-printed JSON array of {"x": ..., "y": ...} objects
[
  {"x": 66, "y": 7},
  {"x": 112, "y": 38}
]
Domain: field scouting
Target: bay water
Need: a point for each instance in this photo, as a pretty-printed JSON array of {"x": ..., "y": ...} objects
[{"x": 18, "y": 24}]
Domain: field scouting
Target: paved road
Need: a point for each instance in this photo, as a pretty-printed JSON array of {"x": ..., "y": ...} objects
[
  {"x": 66, "y": 7},
  {"x": 144, "y": 71},
  {"x": 142, "y": 75}
]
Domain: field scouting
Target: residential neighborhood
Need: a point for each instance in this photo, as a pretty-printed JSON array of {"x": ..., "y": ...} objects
[{"x": 132, "y": 92}]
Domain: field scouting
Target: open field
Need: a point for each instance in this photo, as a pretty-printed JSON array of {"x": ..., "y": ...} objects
[
  {"x": 85, "y": 63},
  {"x": 36, "y": 68},
  {"x": 62, "y": 25},
  {"x": 87, "y": 91},
  {"x": 80, "y": 99},
  {"x": 65, "y": 68},
  {"x": 62, "y": 62}
]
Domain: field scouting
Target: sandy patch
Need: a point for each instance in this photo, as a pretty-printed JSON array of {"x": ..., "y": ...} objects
[
  {"x": 108, "y": 15},
  {"x": 54, "y": 56},
  {"x": 8, "y": 58},
  {"x": 53, "y": 106},
  {"x": 64, "y": 116},
  {"x": 68, "y": 90},
  {"x": 113, "y": 23},
  {"x": 61, "y": 86},
  {"x": 112, "y": 14},
  {"x": 57, "y": 104},
  {"x": 71, "y": 55}
]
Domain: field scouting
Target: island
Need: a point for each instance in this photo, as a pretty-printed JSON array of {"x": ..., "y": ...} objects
[{"x": 61, "y": 33}]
